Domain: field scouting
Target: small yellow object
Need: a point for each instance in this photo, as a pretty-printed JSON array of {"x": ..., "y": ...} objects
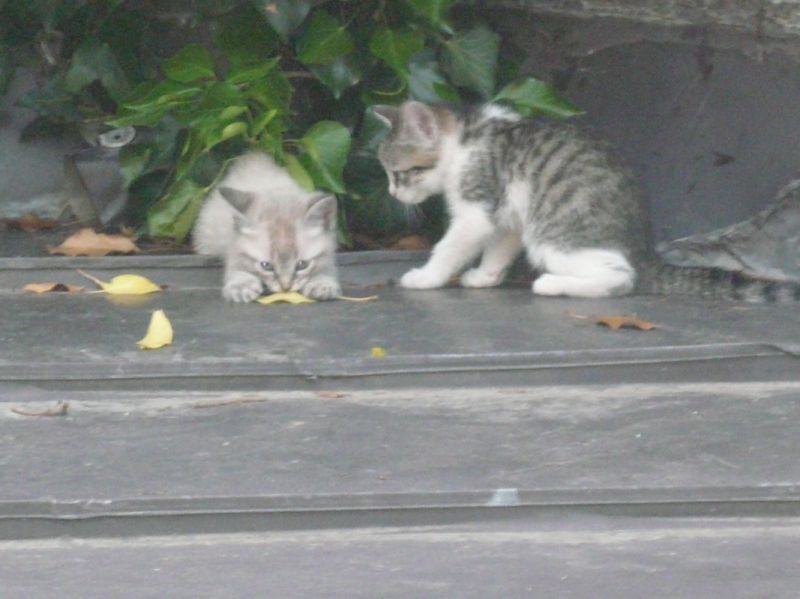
[
  {"x": 378, "y": 352},
  {"x": 125, "y": 284},
  {"x": 159, "y": 333},
  {"x": 285, "y": 297}
]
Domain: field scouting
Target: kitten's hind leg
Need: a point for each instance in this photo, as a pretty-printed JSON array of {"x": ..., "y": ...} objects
[
  {"x": 465, "y": 238},
  {"x": 583, "y": 273},
  {"x": 497, "y": 257}
]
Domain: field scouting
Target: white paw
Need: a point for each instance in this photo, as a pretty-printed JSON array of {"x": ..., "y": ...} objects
[
  {"x": 476, "y": 277},
  {"x": 548, "y": 284},
  {"x": 242, "y": 289},
  {"x": 421, "y": 278},
  {"x": 323, "y": 288}
]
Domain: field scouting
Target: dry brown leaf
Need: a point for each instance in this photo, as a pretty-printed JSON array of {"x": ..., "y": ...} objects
[
  {"x": 60, "y": 409},
  {"x": 87, "y": 242},
  {"x": 128, "y": 232},
  {"x": 51, "y": 288},
  {"x": 619, "y": 322},
  {"x": 30, "y": 223},
  {"x": 331, "y": 395},
  {"x": 410, "y": 243}
]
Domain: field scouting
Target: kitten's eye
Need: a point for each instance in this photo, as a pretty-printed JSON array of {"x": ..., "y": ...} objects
[
  {"x": 266, "y": 266},
  {"x": 301, "y": 265},
  {"x": 416, "y": 170}
]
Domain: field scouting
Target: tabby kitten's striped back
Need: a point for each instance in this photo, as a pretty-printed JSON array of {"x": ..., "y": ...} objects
[{"x": 514, "y": 184}]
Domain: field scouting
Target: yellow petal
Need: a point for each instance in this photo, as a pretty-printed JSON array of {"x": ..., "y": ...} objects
[
  {"x": 159, "y": 333},
  {"x": 285, "y": 297},
  {"x": 125, "y": 284},
  {"x": 378, "y": 352}
]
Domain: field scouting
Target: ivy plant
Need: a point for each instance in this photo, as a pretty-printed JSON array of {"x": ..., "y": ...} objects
[{"x": 294, "y": 78}]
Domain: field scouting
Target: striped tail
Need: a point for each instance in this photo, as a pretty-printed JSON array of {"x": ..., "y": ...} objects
[{"x": 668, "y": 279}]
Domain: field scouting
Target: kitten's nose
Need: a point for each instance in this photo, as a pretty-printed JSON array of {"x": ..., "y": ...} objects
[{"x": 286, "y": 282}]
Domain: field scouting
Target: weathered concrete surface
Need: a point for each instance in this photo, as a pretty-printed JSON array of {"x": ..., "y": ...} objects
[
  {"x": 566, "y": 558},
  {"x": 779, "y": 18}
]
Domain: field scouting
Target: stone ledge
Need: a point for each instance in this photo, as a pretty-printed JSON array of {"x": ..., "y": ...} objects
[{"x": 768, "y": 18}]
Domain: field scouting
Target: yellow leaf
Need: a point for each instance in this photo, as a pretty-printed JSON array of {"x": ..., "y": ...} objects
[
  {"x": 378, "y": 352},
  {"x": 159, "y": 333},
  {"x": 292, "y": 297},
  {"x": 125, "y": 284},
  {"x": 285, "y": 297}
]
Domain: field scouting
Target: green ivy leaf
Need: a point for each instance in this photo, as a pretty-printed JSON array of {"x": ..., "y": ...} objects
[
  {"x": 232, "y": 130},
  {"x": 531, "y": 97},
  {"x": 133, "y": 160},
  {"x": 274, "y": 91},
  {"x": 245, "y": 38},
  {"x": 298, "y": 172},
  {"x": 470, "y": 59},
  {"x": 95, "y": 61},
  {"x": 426, "y": 83},
  {"x": 434, "y": 12},
  {"x": 324, "y": 40},
  {"x": 173, "y": 215},
  {"x": 190, "y": 64},
  {"x": 395, "y": 48},
  {"x": 339, "y": 76},
  {"x": 248, "y": 74},
  {"x": 326, "y": 146},
  {"x": 283, "y": 15},
  {"x": 260, "y": 123}
]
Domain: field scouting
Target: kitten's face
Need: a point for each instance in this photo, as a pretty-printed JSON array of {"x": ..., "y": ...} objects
[
  {"x": 286, "y": 245},
  {"x": 411, "y": 151}
]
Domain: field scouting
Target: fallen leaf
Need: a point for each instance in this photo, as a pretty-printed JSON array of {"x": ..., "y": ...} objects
[
  {"x": 285, "y": 297},
  {"x": 30, "y": 223},
  {"x": 60, "y": 409},
  {"x": 378, "y": 352},
  {"x": 159, "y": 333},
  {"x": 87, "y": 242},
  {"x": 124, "y": 284},
  {"x": 51, "y": 288},
  {"x": 411, "y": 243},
  {"x": 619, "y": 322},
  {"x": 346, "y": 298},
  {"x": 331, "y": 395},
  {"x": 292, "y": 297},
  {"x": 128, "y": 232}
]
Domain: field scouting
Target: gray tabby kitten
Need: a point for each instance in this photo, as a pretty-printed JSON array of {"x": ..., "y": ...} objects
[
  {"x": 270, "y": 232},
  {"x": 512, "y": 184}
]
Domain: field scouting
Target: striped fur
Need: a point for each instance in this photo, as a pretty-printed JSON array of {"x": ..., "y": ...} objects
[{"x": 542, "y": 187}]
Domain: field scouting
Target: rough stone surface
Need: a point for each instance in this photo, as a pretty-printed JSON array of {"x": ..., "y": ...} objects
[{"x": 779, "y": 18}]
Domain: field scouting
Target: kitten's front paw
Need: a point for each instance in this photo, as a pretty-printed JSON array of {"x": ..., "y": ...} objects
[
  {"x": 242, "y": 289},
  {"x": 322, "y": 289},
  {"x": 476, "y": 277},
  {"x": 421, "y": 278}
]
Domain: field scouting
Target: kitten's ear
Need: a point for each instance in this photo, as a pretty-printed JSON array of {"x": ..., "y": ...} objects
[
  {"x": 421, "y": 120},
  {"x": 240, "y": 201},
  {"x": 322, "y": 211},
  {"x": 388, "y": 115}
]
